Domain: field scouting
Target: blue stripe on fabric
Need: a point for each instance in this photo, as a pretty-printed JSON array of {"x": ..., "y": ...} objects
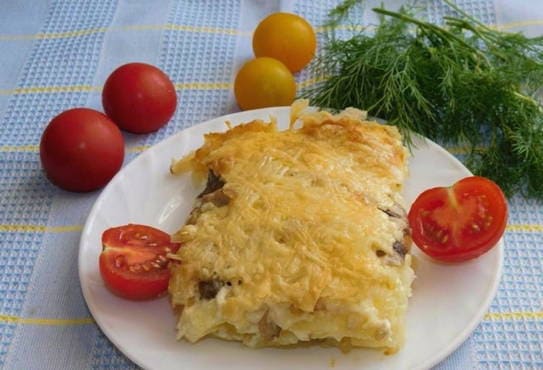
[
  {"x": 56, "y": 62},
  {"x": 22, "y": 182},
  {"x": 206, "y": 13},
  {"x": 197, "y": 56},
  {"x": 68, "y": 15},
  {"x": 520, "y": 285},
  {"x": 526, "y": 211},
  {"x": 63, "y": 61},
  {"x": 27, "y": 115},
  {"x": 18, "y": 17},
  {"x": 6, "y": 336},
  {"x": 509, "y": 344}
]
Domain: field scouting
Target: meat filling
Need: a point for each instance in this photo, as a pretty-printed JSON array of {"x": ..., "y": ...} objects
[
  {"x": 268, "y": 329},
  {"x": 218, "y": 198},
  {"x": 399, "y": 248},
  {"x": 214, "y": 183},
  {"x": 208, "y": 289},
  {"x": 213, "y": 193},
  {"x": 390, "y": 212},
  {"x": 396, "y": 211}
]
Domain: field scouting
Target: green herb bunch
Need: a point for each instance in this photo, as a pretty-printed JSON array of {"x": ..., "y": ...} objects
[{"x": 463, "y": 83}]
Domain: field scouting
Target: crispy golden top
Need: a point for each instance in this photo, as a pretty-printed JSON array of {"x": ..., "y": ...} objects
[{"x": 302, "y": 224}]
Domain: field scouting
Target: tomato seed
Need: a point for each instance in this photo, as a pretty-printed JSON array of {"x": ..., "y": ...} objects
[
  {"x": 119, "y": 261},
  {"x": 146, "y": 267}
]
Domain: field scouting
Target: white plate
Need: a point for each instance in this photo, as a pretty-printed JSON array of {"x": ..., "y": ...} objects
[{"x": 448, "y": 300}]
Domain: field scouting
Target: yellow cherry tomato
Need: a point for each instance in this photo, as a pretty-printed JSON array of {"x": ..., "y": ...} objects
[
  {"x": 285, "y": 37},
  {"x": 264, "y": 82}
]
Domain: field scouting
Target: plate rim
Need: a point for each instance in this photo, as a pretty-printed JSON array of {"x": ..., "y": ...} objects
[{"x": 430, "y": 362}]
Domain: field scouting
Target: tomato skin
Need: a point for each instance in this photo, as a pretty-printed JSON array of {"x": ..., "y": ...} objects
[
  {"x": 81, "y": 150},
  {"x": 129, "y": 263},
  {"x": 461, "y": 222},
  {"x": 264, "y": 82},
  {"x": 286, "y": 37},
  {"x": 139, "y": 98}
]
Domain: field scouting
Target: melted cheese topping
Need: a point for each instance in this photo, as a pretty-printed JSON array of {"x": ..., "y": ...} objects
[{"x": 297, "y": 251}]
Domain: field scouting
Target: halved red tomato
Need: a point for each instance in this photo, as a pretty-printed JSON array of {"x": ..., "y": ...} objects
[
  {"x": 133, "y": 261},
  {"x": 460, "y": 222}
]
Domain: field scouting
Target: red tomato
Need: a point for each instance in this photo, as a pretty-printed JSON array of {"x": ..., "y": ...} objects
[
  {"x": 139, "y": 97},
  {"x": 460, "y": 222},
  {"x": 133, "y": 261},
  {"x": 81, "y": 150}
]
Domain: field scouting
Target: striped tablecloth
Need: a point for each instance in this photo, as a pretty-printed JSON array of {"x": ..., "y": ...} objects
[{"x": 55, "y": 55}]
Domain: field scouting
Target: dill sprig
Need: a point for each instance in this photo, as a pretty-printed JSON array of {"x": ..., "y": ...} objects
[
  {"x": 340, "y": 12},
  {"x": 463, "y": 83}
]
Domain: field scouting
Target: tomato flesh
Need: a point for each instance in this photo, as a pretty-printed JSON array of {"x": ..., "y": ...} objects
[
  {"x": 133, "y": 261},
  {"x": 460, "y": 222}
]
